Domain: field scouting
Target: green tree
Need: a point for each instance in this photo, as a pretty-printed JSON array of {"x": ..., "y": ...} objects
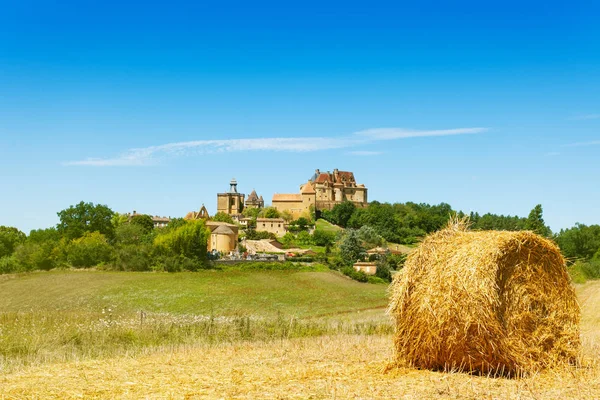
[
  {"x": 251, "y": 212},
  {"x": 129, "y": 234},
  {"x": 143, "y": 221},
  {"x": 341, "y": 213},
  {"x": 286, "y": 215},
  {"x": 351, "y": 249},
  {"x": 44, "y": 235},
  {"x": 304, "y": 238},
  {"x": 288, "y": 240},
  {"x": 271, "y": 212},
  {"x": 323, "y": 238},
  {"x": 86, "y": 217},
  {"x": 369, "y": 237},
  {"x": 189, "y": 240},
  {"x": 119, "y": 219},
  {"x": 10, "y": 238},
  {"x": 535, "y": 222},
  {"x": 579, "y": 242},
  {"x": 89, "y": 250},
  {"x": 223, "y": 217}
]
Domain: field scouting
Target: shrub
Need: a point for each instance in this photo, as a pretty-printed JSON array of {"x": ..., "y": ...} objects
[
  {"x": 323, "y": 238},
  {"x": 33, "y": 256},
  {"x": 134, "y": 258},
  {"x": 189, "y": 241},
  {"x": 89, "y": 250},
  {"x": 9, "y": 265},
  {"x": 359, "y": 276}
]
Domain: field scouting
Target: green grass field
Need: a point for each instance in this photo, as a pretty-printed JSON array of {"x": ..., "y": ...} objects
[
  {"x": 223, "y": 293},
  {"x": 58, "y": 316}
]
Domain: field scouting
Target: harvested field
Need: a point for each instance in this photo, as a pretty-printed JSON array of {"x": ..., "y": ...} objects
[{"x": 339, "y": 366}]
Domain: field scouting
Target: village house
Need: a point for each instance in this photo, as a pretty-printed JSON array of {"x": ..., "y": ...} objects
[
  {"x": 159, "y": 222},
  {"x": 276, "y": 226},
  {"x": 369, "y": 268}
]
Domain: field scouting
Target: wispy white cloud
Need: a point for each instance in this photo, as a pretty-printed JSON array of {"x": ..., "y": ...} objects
[
  {"x": 364, "y": 153},
  {"x": 583, "y": 144},
  {"x": 584, "y": 117},
  {"x": 151, "y": 155},
  {"x": 399, "y": 133}
]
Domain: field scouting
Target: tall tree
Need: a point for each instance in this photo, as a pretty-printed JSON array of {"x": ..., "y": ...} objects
[
  {"x": 351, "y": 249},
  {"x": 86, "y": 217},
  {"x": 144, "y": 221},
  {"x": 535, "y": 222},
  {"x": 10, "y": 238}
]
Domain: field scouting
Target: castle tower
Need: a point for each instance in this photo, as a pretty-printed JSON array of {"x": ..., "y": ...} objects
[{"x": 232, "y": 202}]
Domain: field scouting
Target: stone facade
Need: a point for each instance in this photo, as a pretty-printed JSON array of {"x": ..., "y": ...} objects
[
  {"x": 253, "y": 201},
  {"x": 369, "y": 268},
  {"x": 334, "y": 188},
  {"x": 271, "y": 225},
  {"x": 232, "y": 202},
  {"x": 323, "y": 191},
  {"x": 223, "y": 236}
]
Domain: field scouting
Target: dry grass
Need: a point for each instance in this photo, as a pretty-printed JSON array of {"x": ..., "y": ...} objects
[
  {"x": 344, "y": 366},
  {"x": 493, "y": 302}
]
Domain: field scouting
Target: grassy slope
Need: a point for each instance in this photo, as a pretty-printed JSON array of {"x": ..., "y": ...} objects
[
  {"x": 264, "y": 293},
  {"x": 327, "y": 226}
]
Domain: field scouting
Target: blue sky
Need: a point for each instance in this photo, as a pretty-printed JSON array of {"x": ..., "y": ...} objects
[{"x": 155, "y": 106}]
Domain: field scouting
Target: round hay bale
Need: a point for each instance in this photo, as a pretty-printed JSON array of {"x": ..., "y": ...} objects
[{"x": 490, "y": 302}]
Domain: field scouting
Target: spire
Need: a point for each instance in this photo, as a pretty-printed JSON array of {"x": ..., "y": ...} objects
[{"x": 233, "y": 186}]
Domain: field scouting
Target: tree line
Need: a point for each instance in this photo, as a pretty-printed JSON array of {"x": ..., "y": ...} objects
[
  {"x": 92, "y": 235},
  {"x": 408, "y": 223}
]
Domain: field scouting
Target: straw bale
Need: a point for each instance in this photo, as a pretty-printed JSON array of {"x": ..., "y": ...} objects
[{"x": 491, "y": 302}]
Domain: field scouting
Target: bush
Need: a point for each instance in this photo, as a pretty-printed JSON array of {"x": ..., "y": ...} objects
[
  {"x": 251, "y": 234},
  {"x": 304, "y": 238},
  {"x": 189, "y": 241},
  {"x": 376, "y": 280},
  {"x": 89, "y": 250},
  {"x": 9, "y": 265},
  {"x": 359, "y": 276},
  {"x": 134, "y": 258},
  {"x": 33, "y": 256},
  {"x": 383, "y": 272},
  {"x": 179, "y": 263},
  {"x": 323, "y": 238}
]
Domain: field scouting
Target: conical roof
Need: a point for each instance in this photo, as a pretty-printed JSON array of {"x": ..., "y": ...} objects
[
  {"x": 223, "y": 230},
  {"x": 253, "y": 196}
]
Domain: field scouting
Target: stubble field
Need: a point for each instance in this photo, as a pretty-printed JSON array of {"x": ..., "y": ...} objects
[{"x": 271, "y": 334}]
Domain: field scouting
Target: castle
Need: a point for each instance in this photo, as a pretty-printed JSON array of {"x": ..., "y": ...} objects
[{"x": 322, "y": 192}]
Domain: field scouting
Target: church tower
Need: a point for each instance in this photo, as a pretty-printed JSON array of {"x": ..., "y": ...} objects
[{"x": 232, "y": 202}]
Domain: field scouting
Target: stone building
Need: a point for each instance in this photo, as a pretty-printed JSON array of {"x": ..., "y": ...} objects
[
  {"x": 253, "y": 201},
  {"x": 296, "y": 204},
  {"x": 334, "y": 188},
  {"x": 323, "y": 191},
  {"x": 223, "y": 236},
  {"x": 232, "y": 202},
  {"x": 202, "y": 214},
  {"x": 272, "y": 225},
  {"x": 157, "y": 221}
]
